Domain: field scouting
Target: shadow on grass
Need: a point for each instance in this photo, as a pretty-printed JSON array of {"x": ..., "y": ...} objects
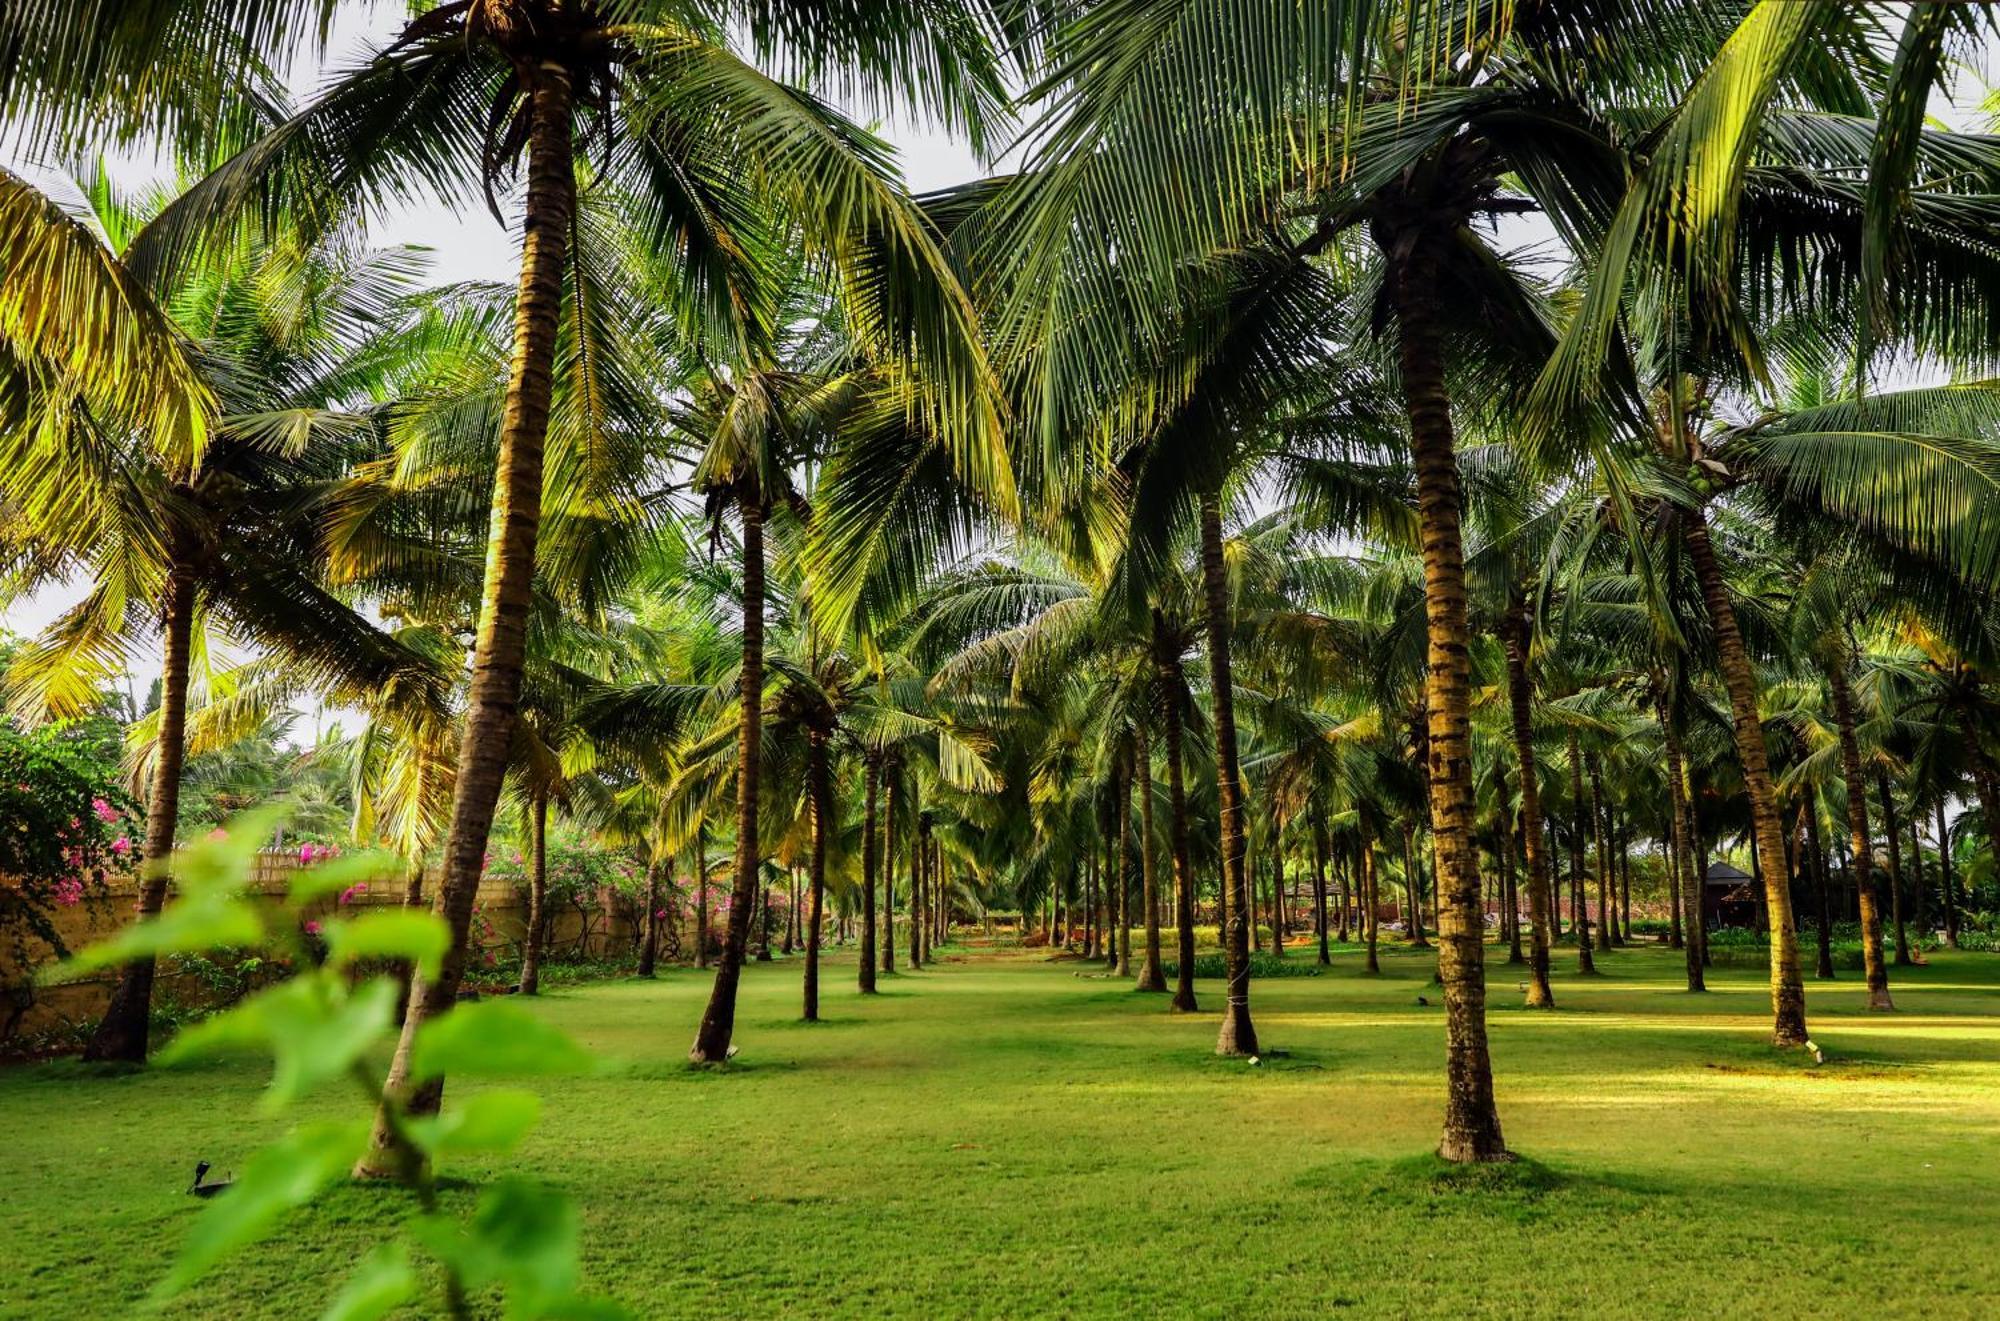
[
  {"x": 1522, "y": 1191},
  {"x": 685, "y": 1071}
]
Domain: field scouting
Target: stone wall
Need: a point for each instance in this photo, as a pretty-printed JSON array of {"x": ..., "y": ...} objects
[{"x": 609, "y": 926}]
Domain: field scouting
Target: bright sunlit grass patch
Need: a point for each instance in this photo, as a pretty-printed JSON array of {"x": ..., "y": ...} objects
[{"x": 998, "y": 1137}]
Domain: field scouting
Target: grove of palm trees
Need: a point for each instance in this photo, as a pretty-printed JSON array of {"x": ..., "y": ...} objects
[{"x": 1361, "y": 674}]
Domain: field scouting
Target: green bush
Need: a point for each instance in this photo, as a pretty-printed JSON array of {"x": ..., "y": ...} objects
[
  {"x": 1262, "y": 964},
  {"x": 1734, "y": 947}
]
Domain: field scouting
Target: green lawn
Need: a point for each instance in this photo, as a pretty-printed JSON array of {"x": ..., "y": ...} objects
[{"x": 1009, "y": 1137}]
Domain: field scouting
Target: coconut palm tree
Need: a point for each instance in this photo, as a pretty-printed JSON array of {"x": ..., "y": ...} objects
[{"x": 190, "y": 491}]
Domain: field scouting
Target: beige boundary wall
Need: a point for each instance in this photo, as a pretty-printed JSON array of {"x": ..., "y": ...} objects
[{"x": 607, "y": 927}]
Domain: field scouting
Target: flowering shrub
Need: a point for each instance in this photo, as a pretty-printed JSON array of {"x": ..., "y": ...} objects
[
  {"x": 480, "y": 937},
  {"x": 65, "y": 828},
  {"x": 577, "y": 869}
]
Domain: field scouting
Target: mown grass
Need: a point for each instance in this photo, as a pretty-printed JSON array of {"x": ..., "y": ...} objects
[{"x": 1007, "y": 1136}]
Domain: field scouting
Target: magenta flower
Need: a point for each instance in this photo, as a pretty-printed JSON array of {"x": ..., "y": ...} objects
[
  {"x": 105, "y": 811},
  {"x": 312, "y": 928},
  {"x": 69, "y": 893},
  {"x": 121, "y": 846}
]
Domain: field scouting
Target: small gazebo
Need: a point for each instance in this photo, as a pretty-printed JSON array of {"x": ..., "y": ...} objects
[{"x": 1728, "y": 897}]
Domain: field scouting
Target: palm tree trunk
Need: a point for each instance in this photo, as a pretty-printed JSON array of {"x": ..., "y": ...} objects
[
  {"x": 1601, "y": 828},
  {"x": 917, "y": 893},
  {"x": 1947, "y": 882},
  {"x": 538, "y": 895},
  {"x": 933, "y": 896},
  {"x": 124, "y": 1031},
  {"x": 701, "y": 896},
  {"x": 1579, "y": 916},
  {"x": 1874, "y": 968},
  {"x": 1471, "y": 1121},
  {"x": 1170, "y": 690},
  {"x": 1510, "y": 899},
  {"x": 1222, "y": 909},
  {"x": 1277, "y": 886},
  {"x": 1676, "y": 904},
  {"x": 926, "y": 890},
  {"x": 1238, "y": 1035},
  {"x": 1520, "y": 696},
  {"x": 1625, "y": 882},
  {"x": 820, "y": 803},
  {"x": 1151, "y": 977},
  {"x": 930, "y": 866},
  {"x": 890, "y": 801},
  {"x": 1121, "y": 908},
  {"x": 718, "y": 1021},
  {"x": 1413, "y": 889},
  {"x": 1255, "y": 881},
  {"x": 1685, "y": 888},
  {"x": 760, "y": 917},
  {"x": 1918, "y": 915},
  {"x": 1095, "y": 896},
  {"x": 1788, "y": 992},
  {"x": 1343, "y": 897},
  {"x": 1369, "y": 909},
  {"x": 1892, "y": 832},
  {"x": 871, "y": 843},
  {"x": 941, "y": 893},
  {"x": 1821, "y": 885},
  {"x": 791, "y": 909},
  {"x": 501, "y": 646},
  {"x": 1319, "y": 887},
  {"x": 1113, "y": 845},
  {"x": 648, "y": 952},
  {"x": 1757, "y": 875}
]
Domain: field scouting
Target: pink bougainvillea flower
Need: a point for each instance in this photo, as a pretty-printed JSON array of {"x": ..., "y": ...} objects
[
  {"x": 660, "y": 914},
  {"x": 69, "y": 893},
  {"x": 121, "y": 846},
  {"x": 312, "y": 928},
  {"x": 105, "y": 811}
]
